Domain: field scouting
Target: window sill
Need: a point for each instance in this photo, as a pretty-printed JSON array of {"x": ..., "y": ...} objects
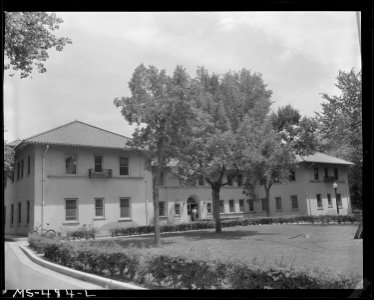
[
  {"x": 319, "y": 208},
  {"x": 125, "y": 220},
  {"x": 98, "y": 218},
  {"x": 71, "y": 223},
  {"x": 330, "y": 206},
  {"x": 295, "y": 209},
  {"x": 162, "y": 217}
]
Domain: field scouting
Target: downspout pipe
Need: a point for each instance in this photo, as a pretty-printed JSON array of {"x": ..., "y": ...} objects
[{"x": 43, "y": 158}]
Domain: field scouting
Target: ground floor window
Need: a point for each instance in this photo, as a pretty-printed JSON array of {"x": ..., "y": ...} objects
[
  {"x": 232, "y": 205},
  {"x": 278, "y": 203},
  {"x": 99, "y": 207},
  {"x": 221, "y": 206},
  {"x": 264, "y": 204},
  {"x": 329, "y": 202},
  {"x": 11, "y": 214},
  {"x": 71, "y": 209},
  {"x": 241, "y": 205},
  {"x": 161, "y": 208},
  {"x": 319, "y": 201},
  {"x": 294, "y": 202},
  {"x": 177, "y": 209},
  {"x": 125, "y": 207},
  {"x": 209, "y": 207},
  {"x": 19, "y": 212},
  {"x": 250, "y": 205},
  {"x": 339, "y": 200},
  {"x": 28, "y": 212}
]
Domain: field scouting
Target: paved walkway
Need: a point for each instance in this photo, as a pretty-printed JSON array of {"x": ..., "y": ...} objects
[{"x": 22, "y": 273}]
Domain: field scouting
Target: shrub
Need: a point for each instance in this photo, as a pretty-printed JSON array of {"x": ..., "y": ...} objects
[{"x": 83, "y": 232}]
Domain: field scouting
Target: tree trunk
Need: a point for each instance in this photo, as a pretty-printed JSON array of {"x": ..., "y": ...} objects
[
  {"x": 216, "y": 214},
  {"x": 156, "y": 184},
  {"x": 267, "y": 197}
]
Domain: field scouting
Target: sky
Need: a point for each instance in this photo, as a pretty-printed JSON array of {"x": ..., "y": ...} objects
[{"x": 299, "y": 55}]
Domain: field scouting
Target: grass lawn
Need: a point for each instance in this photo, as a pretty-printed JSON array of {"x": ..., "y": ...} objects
[{"x": 320, "y": 246}]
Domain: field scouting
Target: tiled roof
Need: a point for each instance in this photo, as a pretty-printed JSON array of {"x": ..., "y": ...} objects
[
  {"x": 319, "y": 157},
  {"x": 15, "y": 143},
  {"x": 78, "y": 133}
]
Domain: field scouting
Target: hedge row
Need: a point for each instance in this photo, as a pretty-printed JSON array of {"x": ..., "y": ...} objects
[
  {"x": 163, "y": 271},
  {"x": 235, "y": 222}
]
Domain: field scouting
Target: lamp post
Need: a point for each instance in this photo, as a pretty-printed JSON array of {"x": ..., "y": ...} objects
[{"x": 335, "y": 186}]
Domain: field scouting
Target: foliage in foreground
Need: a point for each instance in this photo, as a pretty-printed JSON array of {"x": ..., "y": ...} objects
[{"x": 164, "y": 271}]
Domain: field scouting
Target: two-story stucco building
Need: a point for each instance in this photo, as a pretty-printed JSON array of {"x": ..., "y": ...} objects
[{"x": 79, "y": 174}]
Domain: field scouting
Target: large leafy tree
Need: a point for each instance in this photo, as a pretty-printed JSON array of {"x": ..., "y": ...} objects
[
  {"x": 265, "y": 157},
  {"x": 158, "y": 105},
  {"x": 340, "y": 124},
  {"x": 28, "y": 36},
  {"x": 211, "y": 150}
]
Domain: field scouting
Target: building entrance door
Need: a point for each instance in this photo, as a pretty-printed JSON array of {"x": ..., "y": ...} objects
[{"x": 192, "y": 209}]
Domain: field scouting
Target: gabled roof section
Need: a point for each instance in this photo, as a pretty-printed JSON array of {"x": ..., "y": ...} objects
[
  {"x": 15, "y": 143},
  {"x": 77, "y": 133},
  {"x": 319, "y": 157}
]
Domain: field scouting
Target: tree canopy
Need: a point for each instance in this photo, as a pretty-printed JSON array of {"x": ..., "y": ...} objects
[{"x": 28, "y": 36}]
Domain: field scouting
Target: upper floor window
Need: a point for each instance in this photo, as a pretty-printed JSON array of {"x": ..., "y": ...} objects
[
  {"x": 123, "y": 166},
  {"x": 99, "y": 207},
  {"x": 294, "y": 203},
  {"x": 315, "y": 173},
  {"x": 98, "y": 163},
  {"x": 239, "y": 179},
  {"x": 125, "y": 207},
  {"x": 232, "y": 205},
  {"x": 336, "y": 175},
  {"x": 278, "y": 203},
  {"x": 229, "y": 180},
  {"x": 241, "y": 205},
  {"x": 28, "y": 165},
  {"x": 22, "y": 168},
  {"x": 71, "y": 209},
  {"x": 201, "y": 180},
  {"x": 319, "y": 201},
  {"x": 18, "y": 170},
  {"x": 326, "y": 172},
  {"x": 71, "y": 163},
  {"x": 292, "y": 176}
]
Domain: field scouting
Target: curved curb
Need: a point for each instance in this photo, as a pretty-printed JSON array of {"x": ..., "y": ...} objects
[{"x": 101, "y": 281}]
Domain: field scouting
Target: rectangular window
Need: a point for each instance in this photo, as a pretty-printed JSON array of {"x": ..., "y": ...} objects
[
  {"x": 315, "y": 173},
  {"x": 177, "y": 209},
  {"x": 99, "y": 207},
  {"x": 18, "y": 170},
  {"x": 71, "y": 210},
  {"x": 123, "y": 166},
  {"x": 329, "y": 202},
  {"x": 239, "y": 179},
  {"x": 209, "y": 207},
  {"x": 292, "y": 176},
  {"x": 28, "y": 165},
  {"x": 201, "y": 180},
  {"x": 22, "y": 168},
  {"x": 319, "y": 201},
  {"x": 250, "y": 205},
  {"x": 162, "y": 178},
  {"x": 278, "y": 203},
  {"x": 71, "y": 163},
  {"x": 11, "y": 214},
  {"x": 232, "y": 205},
  {"x": 264, "y": 204},
  {"x": 339, "y": 200},
  {"x": 98, "y": 163},
  {"x": 326, "y": 172},
  {"x": 241, "y": 205},
  {"x": 336, "y": 175},
  {"x": 229, "y": 180},
  {"x": 221, "y": 206},
  {"x": 161, "y": 208},
  {"x": 294, "y": 203},
  {"x": 28, "y": 212},
  {"x": 19, "y": 212},
  {"x": 125, "y": 207}
]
